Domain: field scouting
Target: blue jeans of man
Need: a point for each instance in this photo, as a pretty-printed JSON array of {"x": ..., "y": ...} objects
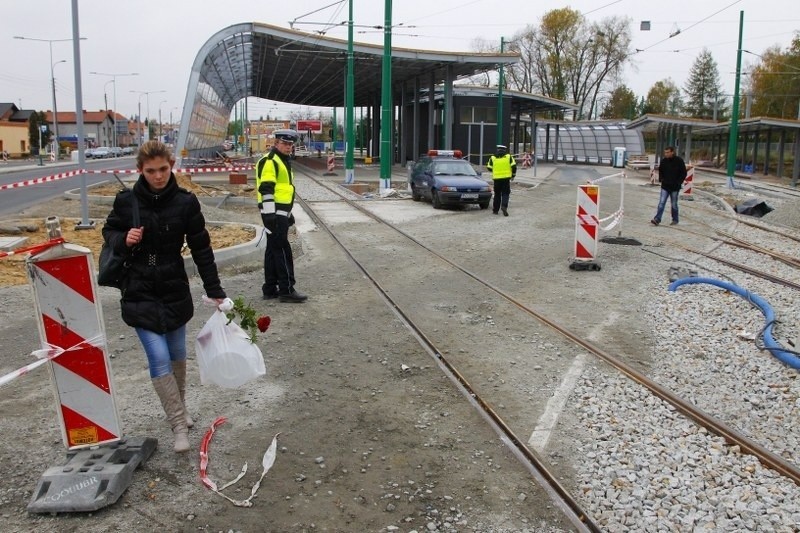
[
  {"x": 163, "y": 348},
  {"x": 662, "y": 202}
]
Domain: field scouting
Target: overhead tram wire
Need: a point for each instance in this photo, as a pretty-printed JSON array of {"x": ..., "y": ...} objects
[{"x": 638, "y": 50}]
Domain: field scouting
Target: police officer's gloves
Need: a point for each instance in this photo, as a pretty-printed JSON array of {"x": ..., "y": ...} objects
[
  {"x": 291, "y": 220},
  {"x": 266, "y": 188},
  {"x": 270, "y": 222}
]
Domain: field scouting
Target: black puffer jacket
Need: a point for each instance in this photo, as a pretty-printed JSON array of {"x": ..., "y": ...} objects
[
  {"x": 671, "y": 173},
  {"x": 155, "y": 294}
]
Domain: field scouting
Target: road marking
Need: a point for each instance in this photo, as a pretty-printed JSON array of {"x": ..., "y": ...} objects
[{"x": 555, "y": 405}]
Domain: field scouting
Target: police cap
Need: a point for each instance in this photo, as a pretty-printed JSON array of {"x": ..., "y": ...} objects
[
  {"x": 502, "y": 147},
  {"x": 287, "y": 136}
]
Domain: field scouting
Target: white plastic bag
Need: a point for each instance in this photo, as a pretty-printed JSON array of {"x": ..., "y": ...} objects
[{"x": 225, "y": 354}]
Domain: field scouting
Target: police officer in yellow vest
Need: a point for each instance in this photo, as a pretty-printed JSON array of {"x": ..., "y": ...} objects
[
  {"x": 504, "y": 169},
  {"x": 275, "y": 201}
]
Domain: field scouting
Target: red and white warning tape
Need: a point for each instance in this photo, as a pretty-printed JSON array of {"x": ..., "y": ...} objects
[
  {"x": 36, "y": 181},
  {"x": 48, "y": 354},
  {"x": 266, "y": 462},
  {"x": 73, "y": 173}
]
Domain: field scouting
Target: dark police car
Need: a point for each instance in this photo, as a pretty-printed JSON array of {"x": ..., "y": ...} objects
[{"x": 445, "y": 179}]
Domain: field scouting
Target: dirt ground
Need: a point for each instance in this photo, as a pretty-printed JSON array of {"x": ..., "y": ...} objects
[{"x": 373, "y": 437}]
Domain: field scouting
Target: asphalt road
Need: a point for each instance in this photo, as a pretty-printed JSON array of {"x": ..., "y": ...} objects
[{"x": 17, "y": 199}]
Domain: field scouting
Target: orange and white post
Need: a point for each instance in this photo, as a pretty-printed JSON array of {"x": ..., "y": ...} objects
[
  {"x": 688, "y": 183},
  {"x": 72, "y": 333},
  {"x": 587, "y": 226}
]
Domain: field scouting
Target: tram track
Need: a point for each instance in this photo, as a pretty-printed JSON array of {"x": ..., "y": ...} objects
[{"x": 733, "y": 437}]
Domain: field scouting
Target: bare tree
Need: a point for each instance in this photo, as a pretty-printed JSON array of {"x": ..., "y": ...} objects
[{"x": 568, "y": 58}]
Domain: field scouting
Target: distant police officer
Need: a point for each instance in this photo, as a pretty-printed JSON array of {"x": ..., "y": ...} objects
[
  {"x": 504, "y": 169},
  {"x": 275, "y": 200}
]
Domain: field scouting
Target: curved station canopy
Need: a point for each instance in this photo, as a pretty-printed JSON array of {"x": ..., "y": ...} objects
[{"x": 254, "y": 59}]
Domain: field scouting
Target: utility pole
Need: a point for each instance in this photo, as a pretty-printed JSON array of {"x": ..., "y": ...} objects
[
  {"x": 733, "y": 139},
  {"x": 387, "y": 152},
  {"x": 500, "y": 83},
  {"x": 349, "y": 96}
]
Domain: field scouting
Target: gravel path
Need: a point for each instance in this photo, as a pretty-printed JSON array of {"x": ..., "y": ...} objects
[{"x": 647, "y": 468}]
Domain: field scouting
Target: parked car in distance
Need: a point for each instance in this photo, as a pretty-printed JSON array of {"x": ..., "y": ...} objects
[
  {"x": 88, "y": 153},
  {"x": 129, "y": 150},
  {"x": 101, "y": 153},
  {"x": 115, "y": 151},
  {"x": 445, "y": 179}
]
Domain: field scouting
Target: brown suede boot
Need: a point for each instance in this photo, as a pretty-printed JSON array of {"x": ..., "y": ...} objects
[
  {"x": 179, "y": 369},
  {"x": 167, "y": 390}
]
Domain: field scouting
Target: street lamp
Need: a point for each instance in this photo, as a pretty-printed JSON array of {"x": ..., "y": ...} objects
[
  {"x": 56, "y": 146},
  {"x": 159, "y": 118},
  {"x": 114, "y": 80},
  {"x": 139, "y": 125},
  {"x": 52, "y": 79}
]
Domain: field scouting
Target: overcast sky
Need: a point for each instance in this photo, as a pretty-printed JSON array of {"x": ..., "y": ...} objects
[{"x": 159, "y": 40}]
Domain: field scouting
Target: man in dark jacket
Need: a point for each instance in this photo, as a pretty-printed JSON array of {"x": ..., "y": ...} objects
[{"x": 671, "y": 173}]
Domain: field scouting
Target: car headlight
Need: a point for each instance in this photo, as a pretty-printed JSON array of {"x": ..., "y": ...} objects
[
  {"x": 486, "y": 189},
  {"x": 449, "y": 188}
]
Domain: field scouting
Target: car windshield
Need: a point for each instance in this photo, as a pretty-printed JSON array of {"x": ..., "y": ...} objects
[{"x": 456, "y": 167}]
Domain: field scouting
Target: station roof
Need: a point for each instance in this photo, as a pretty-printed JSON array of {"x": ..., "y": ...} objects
[
  {"x": 749, "y": 125},
  {"x": 650, "y": 122},
  {"x": 255, "y": 59},
  {"x": 525, "y": 100}
]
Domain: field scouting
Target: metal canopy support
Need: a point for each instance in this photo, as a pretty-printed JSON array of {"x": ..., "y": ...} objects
[
  {"x": 431, "y": 110},
  {"x": 447, "y": 115},
  {"x": 415, "y": 125}
]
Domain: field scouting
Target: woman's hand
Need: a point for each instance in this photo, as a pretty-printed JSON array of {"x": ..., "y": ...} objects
[{"x": 134, "y": 237}]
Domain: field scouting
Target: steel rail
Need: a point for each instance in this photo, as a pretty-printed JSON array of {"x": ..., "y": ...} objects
[
  {"x": 733, "y": 437},
  {"x": 547, "y": 480}
]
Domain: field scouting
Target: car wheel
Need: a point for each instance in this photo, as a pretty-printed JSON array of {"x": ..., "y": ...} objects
[
  {"x": 415, "y": 195},
  {"x": 484, "y": 205},
  {"x": 437, "y": 203}
]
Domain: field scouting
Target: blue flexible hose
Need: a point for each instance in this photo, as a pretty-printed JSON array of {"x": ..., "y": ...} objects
[{"x": 785, "y": 356}]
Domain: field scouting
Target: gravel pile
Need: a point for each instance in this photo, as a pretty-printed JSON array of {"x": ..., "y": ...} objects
[{"x": 650, "y": 469}]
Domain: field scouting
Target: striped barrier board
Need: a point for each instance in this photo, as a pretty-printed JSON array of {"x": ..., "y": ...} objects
[
  {"x": 70, "y": 323},
  {"x": 587, "y": 226}
]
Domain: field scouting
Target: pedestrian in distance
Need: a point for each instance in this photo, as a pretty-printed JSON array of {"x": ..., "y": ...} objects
[
  {"x": 671, "y": 173},
  {"x": 155, "y": 296},
  {"x": 504, "y": 169},
  {"x": 275, "y": 193}
]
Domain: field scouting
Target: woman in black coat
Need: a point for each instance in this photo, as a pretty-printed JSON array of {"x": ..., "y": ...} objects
[{"x": 155, "y": 296}]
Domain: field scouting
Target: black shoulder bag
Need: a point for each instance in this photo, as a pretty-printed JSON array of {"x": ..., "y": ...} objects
[{"x": 114, "y": 266}]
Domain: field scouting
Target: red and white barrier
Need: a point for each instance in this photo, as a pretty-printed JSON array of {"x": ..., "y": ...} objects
[
  {"x": 688, "y": 182},
  {"x": 331, "y": 163},
  {"x": 587, "y": 223},
  {"x": 73, "y": 336}
]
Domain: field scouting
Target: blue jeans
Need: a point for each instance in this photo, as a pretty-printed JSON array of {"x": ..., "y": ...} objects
[
  {"x": 662, "y": 202},
  {"x": 163, "y": 348}
]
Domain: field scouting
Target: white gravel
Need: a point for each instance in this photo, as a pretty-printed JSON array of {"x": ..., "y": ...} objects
[{"x": 648, "y": 468}]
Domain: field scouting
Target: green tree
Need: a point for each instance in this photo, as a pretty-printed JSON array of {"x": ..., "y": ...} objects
[
  {"x": 703, "y": 89},
  {"x": 663, "y": 98},
  {"x": 621, "y": 104},
  {"x": 37, "y": 119},
  {"x": 569, "y": 58},
  {"x": 775, "y": 82}
]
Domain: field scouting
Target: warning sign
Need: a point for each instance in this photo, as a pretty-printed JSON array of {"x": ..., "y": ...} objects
[{"x": 81, "y": 436}]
